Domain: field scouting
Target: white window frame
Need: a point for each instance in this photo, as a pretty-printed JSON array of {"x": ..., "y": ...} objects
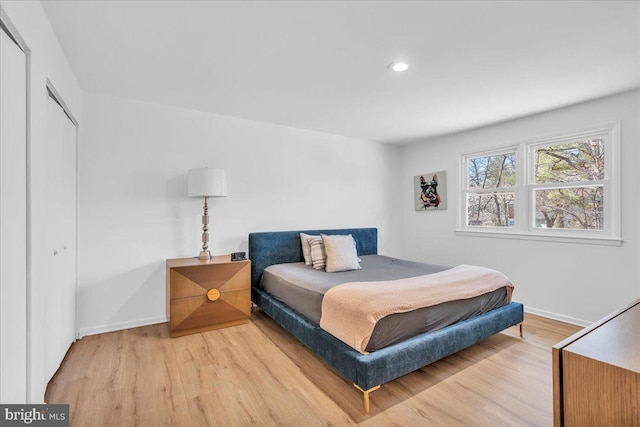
[{"x": 524, "y": 216}]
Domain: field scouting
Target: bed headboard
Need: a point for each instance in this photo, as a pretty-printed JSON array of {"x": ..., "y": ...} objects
[{"x": 279, "y": 247}]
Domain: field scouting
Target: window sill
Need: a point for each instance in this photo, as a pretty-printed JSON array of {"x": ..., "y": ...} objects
[{"x": 605, "y": 241}]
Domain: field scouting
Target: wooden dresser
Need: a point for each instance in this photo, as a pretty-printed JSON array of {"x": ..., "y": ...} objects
[
  {"x": 596, "y": 373},
  {"x": 207, "y": 294}
]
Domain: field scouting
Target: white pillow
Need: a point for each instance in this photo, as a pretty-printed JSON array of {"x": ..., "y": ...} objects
[
  {"x": 306, "y": 249},
  {"x": 318, "y": 254},
  {"x": 341, "y": 253}
]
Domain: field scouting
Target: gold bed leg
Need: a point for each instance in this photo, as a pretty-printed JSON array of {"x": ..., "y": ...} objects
[
  {"x": 521, "y": 325},
  {"x": 365, "y": 394}
]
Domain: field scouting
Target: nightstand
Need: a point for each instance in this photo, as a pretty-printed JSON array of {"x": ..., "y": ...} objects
[{"x": 207, "y": 294}]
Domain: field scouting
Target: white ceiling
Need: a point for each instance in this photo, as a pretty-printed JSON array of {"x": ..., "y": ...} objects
[{"x": 323, "y": 65}]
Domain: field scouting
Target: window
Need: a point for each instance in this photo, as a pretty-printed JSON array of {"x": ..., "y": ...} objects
[
  {"x": 568, "y": 184},
  {"x": 564, "y": 187},
  {"x": 491, "y": 190}
]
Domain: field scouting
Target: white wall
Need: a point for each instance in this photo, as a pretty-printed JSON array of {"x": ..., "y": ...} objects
[
  {"x": 574, "y": 282},
  {"x": 134, "y": 212},
  {"x": 47, "y": 61}
]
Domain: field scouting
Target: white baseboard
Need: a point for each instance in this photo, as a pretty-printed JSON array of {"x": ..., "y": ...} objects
[
  {"x": 556, "y": 316},
  {"x": 111, "y": 327}
]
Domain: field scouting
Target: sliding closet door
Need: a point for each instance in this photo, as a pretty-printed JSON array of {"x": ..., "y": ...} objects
[
  {"x": 13, "y": 222},
  {"x": 60, "y": 238}
]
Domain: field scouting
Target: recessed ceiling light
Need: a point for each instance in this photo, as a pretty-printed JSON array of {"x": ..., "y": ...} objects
[{"x": 398, "y": 66}]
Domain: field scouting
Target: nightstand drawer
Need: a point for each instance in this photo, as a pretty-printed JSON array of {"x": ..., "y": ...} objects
[
  {"x": 190, "y": 282},
  {"x": 194, "y": 312}
]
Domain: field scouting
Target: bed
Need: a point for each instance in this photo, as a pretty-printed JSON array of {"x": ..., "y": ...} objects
[{"x": 367, "y": 371}]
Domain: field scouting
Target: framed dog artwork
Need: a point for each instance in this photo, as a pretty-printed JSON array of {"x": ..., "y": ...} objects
[{"x": 430, "y": 191}]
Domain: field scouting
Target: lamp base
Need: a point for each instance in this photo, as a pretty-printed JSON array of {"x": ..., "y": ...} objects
[{"x": 205, "y": 255}]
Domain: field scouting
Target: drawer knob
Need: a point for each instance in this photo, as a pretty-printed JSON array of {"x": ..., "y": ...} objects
[{"x": 213, "y": 294}]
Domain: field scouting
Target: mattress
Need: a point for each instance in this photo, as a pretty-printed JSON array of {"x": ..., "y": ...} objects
[{"x": 302, "y": 288}]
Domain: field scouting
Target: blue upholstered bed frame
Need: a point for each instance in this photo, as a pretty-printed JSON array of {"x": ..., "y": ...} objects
[{"x": 366, "y": 371}]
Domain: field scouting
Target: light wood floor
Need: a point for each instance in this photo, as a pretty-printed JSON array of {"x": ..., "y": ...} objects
[{"x": 259, "y": 374}]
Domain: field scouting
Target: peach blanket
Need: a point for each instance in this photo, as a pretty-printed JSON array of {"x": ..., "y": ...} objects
[{"x": 350, "y": 311}]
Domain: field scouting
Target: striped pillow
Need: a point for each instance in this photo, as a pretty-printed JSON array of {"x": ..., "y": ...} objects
[
  {"x": 306, "y": 249},
  {"x": 318, "y": 254}
]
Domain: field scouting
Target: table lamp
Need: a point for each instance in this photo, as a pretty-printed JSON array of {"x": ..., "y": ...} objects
[{"x": 205, "y": 182}]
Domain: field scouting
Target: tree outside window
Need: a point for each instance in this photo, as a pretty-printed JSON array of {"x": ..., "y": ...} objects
[
  {"x": 491, "y": 195},
  {"x": 575, "y": 172}
]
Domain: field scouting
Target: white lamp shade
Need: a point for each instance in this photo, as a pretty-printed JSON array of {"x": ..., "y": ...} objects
[{"x": 205, "y": 182}]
